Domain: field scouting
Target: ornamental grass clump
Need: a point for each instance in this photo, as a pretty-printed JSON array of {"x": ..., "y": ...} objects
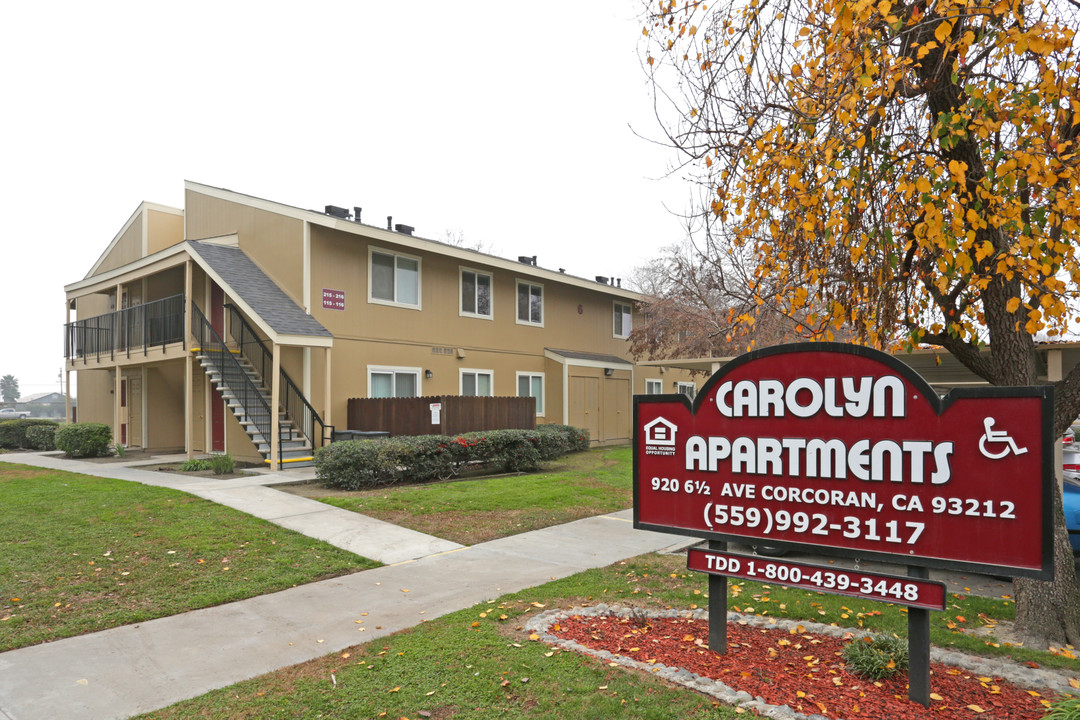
[{"x": 877, "y": 656}]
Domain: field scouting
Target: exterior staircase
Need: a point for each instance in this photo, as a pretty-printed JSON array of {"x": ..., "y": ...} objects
[{"x": 235, "y": 378}]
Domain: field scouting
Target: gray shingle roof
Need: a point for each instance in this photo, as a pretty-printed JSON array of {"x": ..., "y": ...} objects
[{"x": 247, "y": 281}]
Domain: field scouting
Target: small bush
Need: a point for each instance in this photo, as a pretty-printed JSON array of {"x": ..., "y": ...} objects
[
  {"x": 79, "y": 440},
  {"x": 222, "y": 464},
  {"x": 349, "y": 465},
  {"x": 577, "y": 439},
  {"x": 41, "y": 437},
  {"x": 13, "y": 432},
  {"x": 120, "y": 449},
  {"x": 194, "y": 465},
  {"x": 876, "y": 657}
]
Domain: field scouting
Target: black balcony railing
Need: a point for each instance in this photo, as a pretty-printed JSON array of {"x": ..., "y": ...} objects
[
  {"x": 296, "y": 406},
  {"x": 141, "y": 327}
]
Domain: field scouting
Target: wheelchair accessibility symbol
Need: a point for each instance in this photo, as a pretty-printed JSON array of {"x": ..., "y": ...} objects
[{"x": 999, "y": 442}]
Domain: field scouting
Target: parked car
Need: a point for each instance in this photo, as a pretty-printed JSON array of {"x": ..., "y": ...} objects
[
  {"x": 13, "y": 414},
  {"x": 1070, "y": 495}
]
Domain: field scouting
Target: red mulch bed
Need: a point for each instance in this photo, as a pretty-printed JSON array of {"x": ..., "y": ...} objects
[{"x": 801, "y": 670}]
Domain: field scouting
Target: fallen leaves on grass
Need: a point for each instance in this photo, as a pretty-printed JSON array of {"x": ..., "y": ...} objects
[{"x": 775, "y": 665}]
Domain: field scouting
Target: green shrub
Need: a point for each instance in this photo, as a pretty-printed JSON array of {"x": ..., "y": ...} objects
[
  {"x": 42, "y": 437},
  {"x": 577, "y": 439},
  {"x": 222, "y": 464},
  {"x": 877, "y": 656},
  {"x": 194, "y": 465},
  {"x": 84, "y": 440},
  {"x": 349, "y": 465},
  {"x": 13, "y": 432},
  {"x": 361, "y": 464}
]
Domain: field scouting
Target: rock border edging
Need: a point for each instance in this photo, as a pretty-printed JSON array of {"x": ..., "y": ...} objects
[{"x": 997, "y": 667}]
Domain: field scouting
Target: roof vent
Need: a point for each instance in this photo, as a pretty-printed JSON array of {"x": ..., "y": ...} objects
[
  {"x": 389, "y": 222},
  {"x": 356, "y": 213},
  {"x": 618, "y": 282},
  {"x": 404, "y": 229},
  {"x": 338, "y": 212},
  {"x": 601, "y": 279},
  {"x": 527, "y": 259}
]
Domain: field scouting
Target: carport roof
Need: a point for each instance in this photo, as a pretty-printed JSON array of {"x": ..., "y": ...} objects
[{"x": 591, "y": 357}]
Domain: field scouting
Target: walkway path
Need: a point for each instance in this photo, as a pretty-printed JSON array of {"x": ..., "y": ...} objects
[{"x": 137, "y": 668}]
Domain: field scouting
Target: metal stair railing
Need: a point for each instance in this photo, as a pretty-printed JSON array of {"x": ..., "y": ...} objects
[
  {"x": 246, "y": 391},
  {"x": 297, "y": 408}
]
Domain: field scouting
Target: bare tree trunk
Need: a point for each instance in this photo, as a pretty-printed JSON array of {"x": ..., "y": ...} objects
[{"x": 1048, "y": 613}]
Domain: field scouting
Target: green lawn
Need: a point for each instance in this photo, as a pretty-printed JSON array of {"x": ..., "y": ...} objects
[
  {"x": 478, "y": 664},
  {"x": 471, "y": 511},
  {"x": 82, "y": 554}
]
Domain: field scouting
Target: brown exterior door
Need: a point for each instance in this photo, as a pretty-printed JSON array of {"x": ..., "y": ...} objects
[
  {"x": 616, "y": 419},
  {"x": 123, "y": 411},
  {"x": 585, "y": 405},
  {"x": 217, "y": 403}
]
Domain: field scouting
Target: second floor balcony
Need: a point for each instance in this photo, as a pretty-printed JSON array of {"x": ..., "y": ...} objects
[{"x": 121, "y": 333}]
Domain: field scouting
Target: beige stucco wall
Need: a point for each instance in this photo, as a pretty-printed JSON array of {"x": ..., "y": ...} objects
[
  {"x": 128, "y": 247},
  {"x": 273, "y": 241},
  {"x": 165, "y": 403},
  {"x": 163, "y": 230}
]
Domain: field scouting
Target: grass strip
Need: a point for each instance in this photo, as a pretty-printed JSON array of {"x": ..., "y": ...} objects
[
  {"x": 478, "y": 663},
  {"x": 83, "y": 554},
  {"x": 581, "y": 485}
]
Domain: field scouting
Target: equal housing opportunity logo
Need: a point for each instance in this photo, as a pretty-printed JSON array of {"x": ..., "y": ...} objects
[{"x": 660, "y": 437}]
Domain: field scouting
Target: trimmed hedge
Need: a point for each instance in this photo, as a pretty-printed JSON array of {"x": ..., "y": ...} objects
[
  {"x": 42, "y": 437},
  {"x": 361, "y": 464},
  {"x": 79, "y": 440},
  {"x": 13, "y": 432}
]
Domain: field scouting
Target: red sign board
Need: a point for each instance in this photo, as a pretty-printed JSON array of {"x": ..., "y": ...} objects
[
  {"x": 333, "y": 299},
  {"x": 894, "y": 589},
  {"x": 847, "y": 451}
]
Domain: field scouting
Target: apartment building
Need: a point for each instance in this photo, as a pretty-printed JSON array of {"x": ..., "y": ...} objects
[{"x": 195, "y": 323}]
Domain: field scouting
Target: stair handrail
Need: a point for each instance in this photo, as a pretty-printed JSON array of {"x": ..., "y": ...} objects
[
  {"x": 297, "y": 408},
  {"x": 248, "y": 391}
]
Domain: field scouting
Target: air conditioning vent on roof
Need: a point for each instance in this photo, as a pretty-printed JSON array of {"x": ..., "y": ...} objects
[
  {"x": 601, "y": 279},
  {"x": 527, "y": 259},
  {"x": 338, "y": 212},
  {"x": 404, "y": 229}
]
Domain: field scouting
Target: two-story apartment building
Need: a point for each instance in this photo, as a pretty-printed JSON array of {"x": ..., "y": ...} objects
[{"x": 194, "y": 322}]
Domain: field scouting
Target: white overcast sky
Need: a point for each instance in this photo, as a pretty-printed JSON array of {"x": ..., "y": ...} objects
[{"x": 511, "y": 123}]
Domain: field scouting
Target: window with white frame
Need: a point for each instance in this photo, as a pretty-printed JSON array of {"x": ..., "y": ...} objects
[
  {"x": 475, "y": 293},
  {"x": 622, "y": 320},
  {"x": 394, "y": 279},
  {"x": 530, "y": 303},
  {"x": 686, "y": 388},
  {"x": 476, "y": 382},
  {"x": 654, "y": 387},
  {"x": 387, "y": 382},
  {"x": 532, "y": 385}
]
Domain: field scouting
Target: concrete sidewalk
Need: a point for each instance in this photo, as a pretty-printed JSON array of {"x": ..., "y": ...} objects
[{"x": 137, "y": 668}]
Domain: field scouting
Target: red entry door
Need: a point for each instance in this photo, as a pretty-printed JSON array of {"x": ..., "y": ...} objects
[{"x": 217, "y": 403}]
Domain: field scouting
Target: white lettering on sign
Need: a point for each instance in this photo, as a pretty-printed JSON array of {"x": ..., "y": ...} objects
[
  {"x": 914, "y": 461},
  {"x": 852, "y": 397}
]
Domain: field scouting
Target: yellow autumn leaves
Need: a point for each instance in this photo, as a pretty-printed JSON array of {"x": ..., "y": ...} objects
[{"x": 870, "y": 203}]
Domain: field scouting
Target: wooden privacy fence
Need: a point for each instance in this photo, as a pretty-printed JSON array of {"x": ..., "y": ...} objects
[{"x": 451, "y": 414}]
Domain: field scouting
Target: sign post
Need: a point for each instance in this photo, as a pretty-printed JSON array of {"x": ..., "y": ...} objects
[{"x": 846, "y": 451}]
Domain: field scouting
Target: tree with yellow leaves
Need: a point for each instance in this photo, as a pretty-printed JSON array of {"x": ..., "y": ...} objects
[{"x": 905, "y": 170}]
